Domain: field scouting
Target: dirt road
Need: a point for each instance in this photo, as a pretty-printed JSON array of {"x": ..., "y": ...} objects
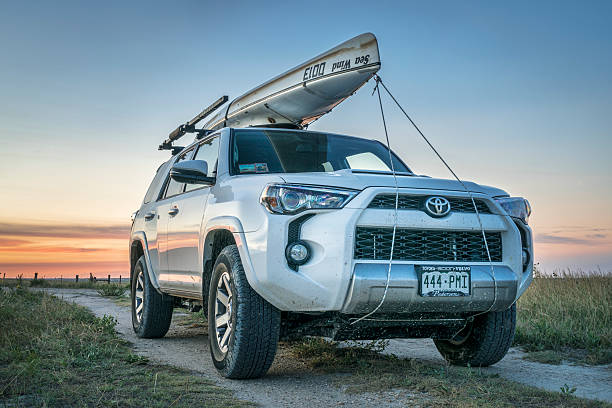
[{"x": 290, "y": 384}]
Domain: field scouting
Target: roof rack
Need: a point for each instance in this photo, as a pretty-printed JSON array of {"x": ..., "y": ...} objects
[{"x": 189, "y": 127}]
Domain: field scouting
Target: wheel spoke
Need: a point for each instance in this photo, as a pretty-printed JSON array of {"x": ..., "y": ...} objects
[
  {"x": 138, "y": 294},
  {"x": 223, "y": 298},
  {"x": 226, "y": 284},
  {"x": 139, "y": 308},
  {"x": 222, "y": 320},
  {"x": 225, "y": 338}
]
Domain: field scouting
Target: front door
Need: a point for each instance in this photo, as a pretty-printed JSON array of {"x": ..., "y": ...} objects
[
  {"x": 185, "y": 241},
  {"x": 164, "y": 212}
]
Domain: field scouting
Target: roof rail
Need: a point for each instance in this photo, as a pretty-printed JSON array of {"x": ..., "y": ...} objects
[{"x": 189, "y": 127}]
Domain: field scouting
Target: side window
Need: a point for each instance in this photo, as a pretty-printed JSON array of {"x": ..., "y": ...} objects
[
  {"x": 209, "y": 152},
  {"x": 366, "y": 161},
  {"x": 153, "y": 191},
  {"x": 174, "y": 187}
]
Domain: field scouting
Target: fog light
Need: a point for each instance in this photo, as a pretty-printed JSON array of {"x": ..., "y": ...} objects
[
  {"x": 297, "y": 253},
  {"x": 525, "y": 257}
]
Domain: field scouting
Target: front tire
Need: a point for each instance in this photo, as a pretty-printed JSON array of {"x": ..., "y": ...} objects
[
  {"x": 482, "y": 342},
  {"x": 151, "y": 311},
  {"x": 243, "y": 328}
]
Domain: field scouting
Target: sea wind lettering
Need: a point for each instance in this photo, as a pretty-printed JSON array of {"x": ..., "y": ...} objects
[
  {"x": 314, "y": 71},
  {"x": 341, "y": 65},
  {"x": 364, "y": 59}
]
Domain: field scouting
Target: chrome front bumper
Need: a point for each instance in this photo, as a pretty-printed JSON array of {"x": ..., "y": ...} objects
[{"x": 368, "y": 285}]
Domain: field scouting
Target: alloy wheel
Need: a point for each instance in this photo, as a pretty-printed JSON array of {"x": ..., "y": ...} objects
[
  {"x": 223, "y": 312},
  {"x": 139, "y": 296}
]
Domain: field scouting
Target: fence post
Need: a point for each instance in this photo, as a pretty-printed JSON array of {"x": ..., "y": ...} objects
[
  {"x": 120, "y": 279},
  {"x": 35, "y": 275},
  {"x": 109, "y": 279},
  {"x": 77, "y": 278}
]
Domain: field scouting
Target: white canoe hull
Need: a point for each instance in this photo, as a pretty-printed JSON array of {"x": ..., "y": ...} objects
[{"x": 306, "y": 92}]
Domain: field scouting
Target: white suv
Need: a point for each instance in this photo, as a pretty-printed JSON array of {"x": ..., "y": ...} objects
[{"x": 283, "y": 233}]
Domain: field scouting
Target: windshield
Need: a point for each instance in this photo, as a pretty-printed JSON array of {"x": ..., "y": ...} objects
[{"x": 282, "y": 151}]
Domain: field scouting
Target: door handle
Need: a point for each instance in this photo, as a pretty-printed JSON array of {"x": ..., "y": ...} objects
[
  {"x": 173, "y": 211},
  {"x": 149, "y": 216}
]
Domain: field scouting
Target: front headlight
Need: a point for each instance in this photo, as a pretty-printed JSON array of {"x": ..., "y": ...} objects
[
  {"x": 292, "y": 199},
  {"x": 516, "y": 207}
]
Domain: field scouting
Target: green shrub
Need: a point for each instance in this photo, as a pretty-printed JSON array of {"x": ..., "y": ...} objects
[{"x": 111, "y": 289}]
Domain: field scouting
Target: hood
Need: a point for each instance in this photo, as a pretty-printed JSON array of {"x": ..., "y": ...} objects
[{"x": 359, "y": 180}]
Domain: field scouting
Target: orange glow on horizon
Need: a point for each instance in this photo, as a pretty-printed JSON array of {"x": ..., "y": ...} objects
[
  {"x": 64, "y": 250},
  {"x": 55, "y": 250}
]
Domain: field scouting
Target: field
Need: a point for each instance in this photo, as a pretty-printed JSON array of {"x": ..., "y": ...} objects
[
  {"x": 567, "y": 317},
  {"x": 66, "y": 356},
  {"x": 53, "y": 353},
  {"x": 431, "y": 384},
  {"x": 56, "y": 283}
]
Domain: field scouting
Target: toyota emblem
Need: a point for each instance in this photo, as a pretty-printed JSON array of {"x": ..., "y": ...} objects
[{"x": 437, "y": 206}]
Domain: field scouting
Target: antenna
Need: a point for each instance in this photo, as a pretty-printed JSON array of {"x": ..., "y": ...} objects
[{"x": 189, "y": 127}]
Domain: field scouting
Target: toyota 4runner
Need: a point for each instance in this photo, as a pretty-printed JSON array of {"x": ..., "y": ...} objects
[{"x": 282, "y": 233}]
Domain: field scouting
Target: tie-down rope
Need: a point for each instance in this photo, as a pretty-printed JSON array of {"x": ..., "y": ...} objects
[{"x": 484, "y": 236}]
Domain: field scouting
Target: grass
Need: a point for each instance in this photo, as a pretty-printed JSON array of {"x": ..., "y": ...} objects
[
  {"x": 112, "y": 290},
  {"x": 53, "y": 353},
  {"x": 68, "y": 357},
  {"x": 55, "y": 283},
  {"x": 430, "y": 384},
  {"x": 124, "y": 300},
  {"x": 567, "y": 317},
  {"x": 192, "y": 320}
]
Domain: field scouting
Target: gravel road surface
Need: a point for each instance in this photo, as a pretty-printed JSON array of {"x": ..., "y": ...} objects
[{"x": 291, "y": 384}]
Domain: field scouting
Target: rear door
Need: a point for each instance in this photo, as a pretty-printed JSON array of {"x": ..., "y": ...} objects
[
  {"x": 149, "y": 211},
  {"x": 185, "y": 257}
]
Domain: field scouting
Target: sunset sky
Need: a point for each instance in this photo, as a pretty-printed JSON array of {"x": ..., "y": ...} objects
[{"x": 515, "y": 95}]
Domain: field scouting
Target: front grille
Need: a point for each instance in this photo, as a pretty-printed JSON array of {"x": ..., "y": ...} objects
[
  {"x": 412, "y": 202},
  {"x": 426, "y": 245}
]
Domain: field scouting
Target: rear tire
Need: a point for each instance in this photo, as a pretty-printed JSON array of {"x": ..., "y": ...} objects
[
  {"x": 243, "y": 328},
  {"x": 483, "y": 342},
  {"x": 151, "y": 311}
]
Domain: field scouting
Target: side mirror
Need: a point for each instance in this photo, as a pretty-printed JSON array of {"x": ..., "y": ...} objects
[{"x": 191, "y": 172}]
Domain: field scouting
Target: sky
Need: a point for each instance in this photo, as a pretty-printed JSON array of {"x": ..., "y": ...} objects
[{"x": 517, "y": 95}]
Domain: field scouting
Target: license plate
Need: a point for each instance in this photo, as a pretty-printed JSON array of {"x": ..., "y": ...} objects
[{"x": 437, "y": 280}]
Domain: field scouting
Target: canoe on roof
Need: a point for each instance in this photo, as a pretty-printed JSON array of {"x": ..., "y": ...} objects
[{"x": 306, "y": 92}]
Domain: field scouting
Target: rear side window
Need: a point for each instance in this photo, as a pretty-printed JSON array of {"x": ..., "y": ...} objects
[{"x": 153, "y": 191}]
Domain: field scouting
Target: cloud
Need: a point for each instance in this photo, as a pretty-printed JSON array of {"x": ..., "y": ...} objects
[
  {"x": 559, "y": 239},
  {"x": 576, "y": 228},
  {"x": 51, "y": 249},
  {"x": 11, "y": 243},
  {"x": 22, "y": 245},
  {"x": 596, "y": 236},
  {"x": 56, "y": 230}
]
